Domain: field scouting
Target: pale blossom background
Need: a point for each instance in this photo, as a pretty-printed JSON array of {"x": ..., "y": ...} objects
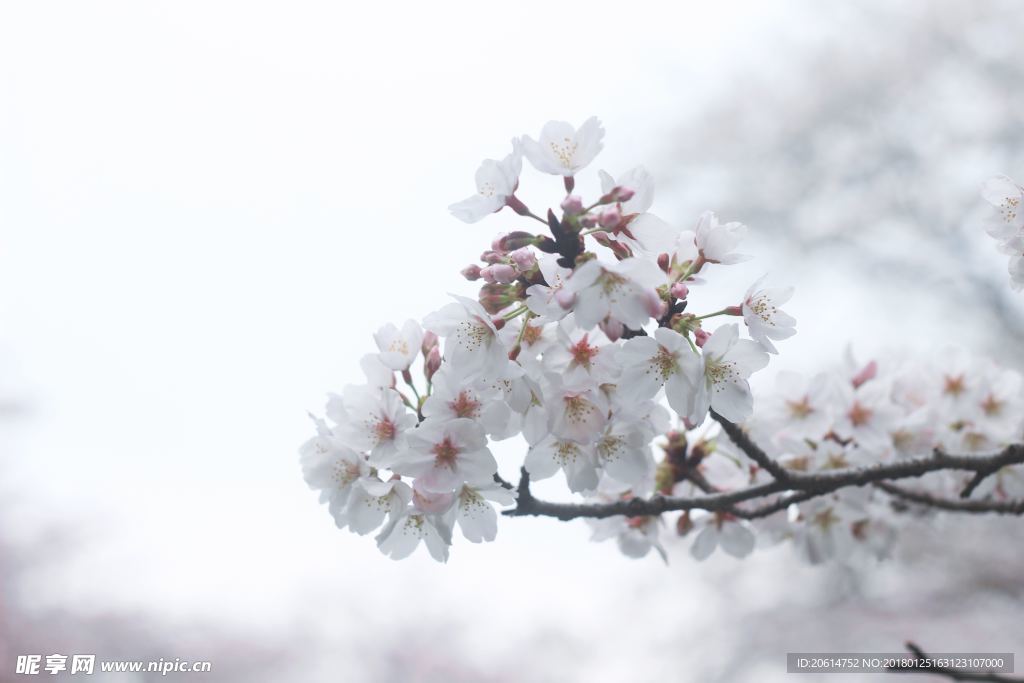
[{"x": 206, "y": 208}]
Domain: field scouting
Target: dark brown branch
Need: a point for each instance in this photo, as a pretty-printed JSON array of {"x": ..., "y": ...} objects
[
  {"x": 803, "y": 486},
  {"x": 999, "y": 507},
  {"x": 949, "y": 672},
  {"x": 751, "y": 449},
  {"x": 976, "y": 481}
]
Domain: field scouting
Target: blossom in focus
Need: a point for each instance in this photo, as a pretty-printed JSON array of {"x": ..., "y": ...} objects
[
  {"x": 719, "y": 381},
  {"x": 471, "y": 339},
  {"x": 496, "y": 181},
  {"x": 399, "y": 348},
  {"x": 765, "y": 321},
  {"x": 332, "y": 468},
  {"x": 648, "y": 363},
  {"x": 716, "y": 242},
  {"x": 443, "y": 456},
  {"x": 623, "y": 291},
  {"x": 563, "y": 150},
  {"x": 542, "y": 299},
  {"x": 576, "y": 460},
  {"x": 404, "y": 532},
  {"x": 372, "y": 421},
  {"x": 474, "y": 513}
]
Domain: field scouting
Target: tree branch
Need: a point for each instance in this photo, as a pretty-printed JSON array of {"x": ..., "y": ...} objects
[
  {"x": 999, "y": 507},
  {"x": 949, "y": 672},
  {"x": 751, "y": 449},
  {"x": 801, "y": 486}
]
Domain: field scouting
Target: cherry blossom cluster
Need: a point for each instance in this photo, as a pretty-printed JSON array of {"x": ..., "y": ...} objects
[
  {"x": 846, "y": 418},
  {"x": 1006, "y": 223},
  {"x": 581, "y": 332}
]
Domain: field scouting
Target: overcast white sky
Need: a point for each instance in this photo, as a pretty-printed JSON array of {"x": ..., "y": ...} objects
[{"x": 207, "y": 208}]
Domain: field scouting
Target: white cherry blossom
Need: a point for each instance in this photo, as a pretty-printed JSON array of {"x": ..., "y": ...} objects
[
  {"x": 765, "y": 321},
  {"x": 718, "y": 531},
  {"x": 563, "y": 150},
  {"x": 719, "y": 381},
  {"x": 542, "y": 300},
  {"x": 624, "y": 291},
  {"x": 332, "y": 468},
  {"x": 471, "y": 339},
  {"x": 456, "y": 395},
  {"x": 716, "y": 242},
  {"x": 577, "y": 461},
  {"x": 474, "y": 513},
  {"x": 496, "y": 181},
  {"x": 666, "y": 359},
  {"x": 444, "y": 455},
  {"x": 399, "y": 348},
  {"x": 372, "y": 421},
  {"x": 404, "y": 532}
]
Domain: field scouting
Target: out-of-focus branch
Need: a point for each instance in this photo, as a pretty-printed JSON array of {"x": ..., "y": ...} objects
[
  {"x": 925, "y": 666},
  {"x": 999, "y": 507},
  {"x": 795, "y": 487}
]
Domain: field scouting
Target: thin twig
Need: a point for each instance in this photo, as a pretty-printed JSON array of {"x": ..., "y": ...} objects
[
  {"x": 1000, "y": 507},
  {"x": 949, "y": 672}
]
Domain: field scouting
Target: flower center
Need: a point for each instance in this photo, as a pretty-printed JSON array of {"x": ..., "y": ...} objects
[
  {"x": 566, "y": 453},
  {"x": 578, "y": 409},
  {"x": 465, "y": 405},
  {"x": 800, "y": 409},
  {"x": 762, "y": 308},
  {"x": 720, "y": 371},
  {"x": 383, "y": 430},
  {"x": 583, "y": 353},
  {"x": 954, "y": 386},
  {"x": 564, "y": 152},
  {"x": 992, "y": 406},
  {"x": 445, "y": 453},
  {"x": 472, "y": 334},
  {"x": 859, "y": 415},
  {"x": 665, "y": 363}
]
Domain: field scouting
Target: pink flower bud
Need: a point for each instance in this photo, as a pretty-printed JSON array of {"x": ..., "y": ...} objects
[
  {"x": 572, "y": 205},
  {"x": 701, "y": 337},
  {"x": 565, "y": 298},
  {"x": 868, "y": 372},
  {"x": 490, "y": 256},
  {"x": 471, "y": 272},
  {"x": 429, "y": 342},
  {"x": 618, "y": 194},
  {"x": 623, "y": 194},
  {"x": 612, "y": 329},
  {"x": 433, "y": 363},
  {"x": 679, "y": 290},
  {"x": 512, "y": 241},
  {"x": 500, "y": 272},
  {"x": 523, "y": 258},
  {"x": 663, "y": 262},
  {"x": 610, "y": 217}
]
